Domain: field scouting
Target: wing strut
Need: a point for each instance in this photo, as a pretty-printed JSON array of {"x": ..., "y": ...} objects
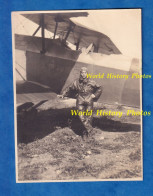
[
  {"x": 36, "y": 30},
  {"x": 69, "y": 30},
  {"x": 77, "y": 45},
  {"x": 43, "y": 34},
  {"x": 55, "y": 29}
]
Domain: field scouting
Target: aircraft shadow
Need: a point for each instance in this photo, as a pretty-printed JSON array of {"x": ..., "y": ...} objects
[
  {"x": 109, "y": 125},
  {"x": 31, "y": 126}
]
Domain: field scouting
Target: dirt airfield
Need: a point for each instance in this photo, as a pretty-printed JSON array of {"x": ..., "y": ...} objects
[{"x": 50, "y": 148}]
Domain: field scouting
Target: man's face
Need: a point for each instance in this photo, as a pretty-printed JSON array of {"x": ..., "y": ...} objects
[{"x": 83, "y": 74}]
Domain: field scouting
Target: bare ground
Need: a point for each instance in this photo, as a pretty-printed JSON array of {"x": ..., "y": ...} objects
[{"x": 49, "y": 151}]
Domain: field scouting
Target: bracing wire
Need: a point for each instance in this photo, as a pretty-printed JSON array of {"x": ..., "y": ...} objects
[
  {"x": 20, "y": 74},
  {"x": 20, "y": 66}
]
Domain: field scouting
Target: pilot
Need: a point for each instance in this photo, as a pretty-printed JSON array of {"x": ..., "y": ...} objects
[{"x": 87, "y": 91}]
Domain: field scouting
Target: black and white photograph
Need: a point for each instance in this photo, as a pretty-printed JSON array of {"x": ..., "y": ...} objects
[{"x": 78, "y": 95}]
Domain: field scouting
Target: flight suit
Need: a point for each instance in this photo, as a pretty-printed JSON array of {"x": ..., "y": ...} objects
[{"x": 84, "y": 88}]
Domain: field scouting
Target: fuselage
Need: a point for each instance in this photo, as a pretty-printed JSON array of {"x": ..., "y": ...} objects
[{"x": 60, "y": 66}]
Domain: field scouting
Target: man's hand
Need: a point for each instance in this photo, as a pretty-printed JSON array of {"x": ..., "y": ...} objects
[
  {"x": 60, "y": 96},
  {"x": 89, "y": 98},
  {"x": 93, "y": 96}
]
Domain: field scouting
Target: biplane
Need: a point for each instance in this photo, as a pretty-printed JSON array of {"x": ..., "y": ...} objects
[{"x": 51, "y": 64}]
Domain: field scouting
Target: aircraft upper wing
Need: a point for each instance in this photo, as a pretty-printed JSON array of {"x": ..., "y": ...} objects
[
  {"x": 78, "y": 34},
  {"x": 102, "y": 43}
]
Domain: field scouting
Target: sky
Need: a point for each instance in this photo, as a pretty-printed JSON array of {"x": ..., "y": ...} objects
[{"x": 122, "y": 26}]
